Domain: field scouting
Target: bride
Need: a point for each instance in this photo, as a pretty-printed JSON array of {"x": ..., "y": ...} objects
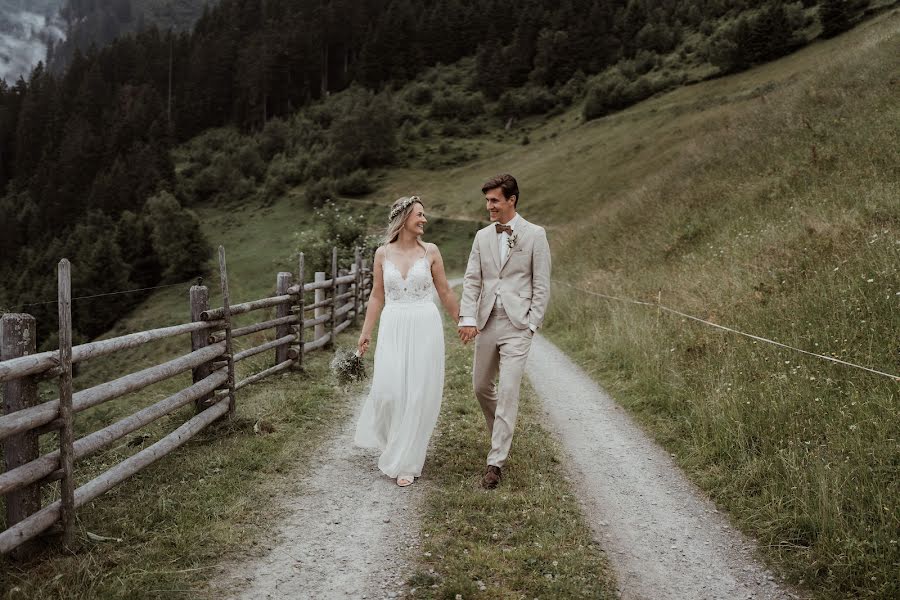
[{"x": 402, "y": 408}]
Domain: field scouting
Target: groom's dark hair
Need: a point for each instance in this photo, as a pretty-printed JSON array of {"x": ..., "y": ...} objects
[{"x": 506, "y": 183}]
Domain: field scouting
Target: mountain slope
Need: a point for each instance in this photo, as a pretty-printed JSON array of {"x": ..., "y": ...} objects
[
  {"x": 766, "y": 202},
  {"x": 26, "y": 30}
]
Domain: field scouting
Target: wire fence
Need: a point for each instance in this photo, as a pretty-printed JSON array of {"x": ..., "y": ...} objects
[
  {"x": 661, "y": 307},
  {"x": 114, "y": 293}
]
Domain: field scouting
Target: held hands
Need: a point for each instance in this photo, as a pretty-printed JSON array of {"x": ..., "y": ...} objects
[
  {"x": 363, "y": 344},
  {"x": 467, "y": 334}
]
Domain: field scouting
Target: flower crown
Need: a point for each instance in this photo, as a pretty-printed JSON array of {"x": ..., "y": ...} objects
[{"x": 402, "y": 206}]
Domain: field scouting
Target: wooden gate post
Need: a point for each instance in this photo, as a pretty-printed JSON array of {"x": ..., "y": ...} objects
[
  {"x": 282, "y": 283},
  {"x": 66, "y": 415},
  {"x": 200, "y": 339},
  {"x": 318, "y": 298},
  {"x": 17, "y": 339},
  {"x": 301, "y": 312},
  {"x": 334, "y": 292}
]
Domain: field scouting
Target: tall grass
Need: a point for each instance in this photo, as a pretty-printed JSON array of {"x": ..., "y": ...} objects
[{"x": 780, "y": 217}]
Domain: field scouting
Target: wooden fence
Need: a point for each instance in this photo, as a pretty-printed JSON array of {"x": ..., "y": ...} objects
[{"x": 337, "y": 303}]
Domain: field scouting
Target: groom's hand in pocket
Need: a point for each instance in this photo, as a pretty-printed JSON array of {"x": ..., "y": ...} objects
[{"x": 467, "y": 334}]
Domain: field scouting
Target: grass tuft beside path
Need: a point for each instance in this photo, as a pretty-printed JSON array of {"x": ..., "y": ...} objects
[{"x": 525, "y": 539}]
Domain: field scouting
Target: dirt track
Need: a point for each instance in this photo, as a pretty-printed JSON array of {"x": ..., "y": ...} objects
[{"x": 665, "y": 539}]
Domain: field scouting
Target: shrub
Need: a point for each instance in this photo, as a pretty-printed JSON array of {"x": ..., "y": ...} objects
[
  {"x": 250, "y": 163},
  {"x": 342, "y": 230},
  {"x": 356, "y": 183},
  {"x": 217, "y": 179},
  {"x": 320, "y": 192},
  {"x": 176, "y": 237},
  {"x": 364, "y": 134},
  {"x": 452, "y": 129},
  {"x": 534, "y": 100},
  {"x": 573, "y": 89},
  {"x": 273, "y": 139},
  {"x": 289, "y": 169},
  {"x": 525, "y": 101},
  {"x": 418, "y": 94},
  {"x": 606, "y": 94},
  {"x": 456, "y": 105},
  {"x": 408, "y": 131}
]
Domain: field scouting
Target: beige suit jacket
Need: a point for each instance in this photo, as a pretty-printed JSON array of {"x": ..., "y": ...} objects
[{"x": 522, "y": 282}]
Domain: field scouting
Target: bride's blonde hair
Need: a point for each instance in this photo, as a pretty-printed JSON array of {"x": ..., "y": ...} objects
[{"x": 400, "y": 211}]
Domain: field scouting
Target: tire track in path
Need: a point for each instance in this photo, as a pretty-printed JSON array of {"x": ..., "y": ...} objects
[
  {"x": 664, "y": 537},
  {"x": 346, "y": 532}
]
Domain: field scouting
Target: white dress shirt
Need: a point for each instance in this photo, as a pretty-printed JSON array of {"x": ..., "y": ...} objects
[{"x": 503, "y": 241}]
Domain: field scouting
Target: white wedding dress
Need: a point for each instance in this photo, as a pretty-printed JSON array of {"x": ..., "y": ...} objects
[{"x": 402, "y": 408}]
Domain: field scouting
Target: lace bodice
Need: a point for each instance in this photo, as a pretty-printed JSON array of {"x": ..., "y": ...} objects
[{"x": 416, "y": 288}]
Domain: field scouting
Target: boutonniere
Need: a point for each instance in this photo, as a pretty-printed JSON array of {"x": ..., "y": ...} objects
[{"x": 511, "y": 242}]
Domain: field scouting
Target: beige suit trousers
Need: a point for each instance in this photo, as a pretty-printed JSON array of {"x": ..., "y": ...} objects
[{"x": 500, "y": 348}]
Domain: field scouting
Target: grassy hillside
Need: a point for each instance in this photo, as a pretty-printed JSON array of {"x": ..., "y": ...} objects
[{"x": 768, "y": 202}]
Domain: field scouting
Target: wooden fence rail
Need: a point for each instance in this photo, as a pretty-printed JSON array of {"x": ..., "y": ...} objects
[{"x": 339, "y": 302}]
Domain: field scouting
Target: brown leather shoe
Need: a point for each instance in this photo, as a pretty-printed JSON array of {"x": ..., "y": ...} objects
[{"x": 491, "y": 477}]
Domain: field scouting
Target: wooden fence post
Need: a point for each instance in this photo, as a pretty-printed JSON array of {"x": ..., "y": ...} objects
[
  {"x": 334, "y": 292},
  {"x": 342, "y": 289},
  {"x": 282, "y": 283},
  {"x": 17, "y": 339},
  {"x": 370, "y": 266},
  {"x": 318, "y": 298},
  {"x": 229, "y": 352},
  {"x": 66, "y": 415},
  {"x": 301, "y": 296},
  {"x": 357, "y": 270},
  {"x": 200, "y": 339}
]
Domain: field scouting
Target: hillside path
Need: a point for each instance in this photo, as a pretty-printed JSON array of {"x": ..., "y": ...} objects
[
  {"x": 346, "y": 534},
  {"x": 664, "y": 537}
]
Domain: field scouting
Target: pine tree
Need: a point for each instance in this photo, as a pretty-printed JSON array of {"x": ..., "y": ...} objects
[
  {"x": 491, "y": 71},
  {"x": 835, "y": 16}
]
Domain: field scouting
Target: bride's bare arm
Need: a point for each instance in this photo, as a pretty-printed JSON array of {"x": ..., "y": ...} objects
[
  {"x": 376, "y": 302},
  {"x": 445, "y": 292}
]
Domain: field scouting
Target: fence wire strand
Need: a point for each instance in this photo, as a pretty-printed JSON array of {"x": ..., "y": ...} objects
[
  {"x": 662, "y": 307},
  {"x": 157, "y": 287}
]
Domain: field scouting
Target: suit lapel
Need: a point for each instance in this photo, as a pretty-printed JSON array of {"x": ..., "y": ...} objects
[
  {"x": 495, "y": 247},
  {"x": 519, "y": 234}
]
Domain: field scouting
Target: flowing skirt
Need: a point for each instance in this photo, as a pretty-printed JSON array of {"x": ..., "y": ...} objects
[{"x": 404, "y": 401}]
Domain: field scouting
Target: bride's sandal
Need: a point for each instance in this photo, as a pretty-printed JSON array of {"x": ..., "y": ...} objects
[{"x": 405, "y": 480}]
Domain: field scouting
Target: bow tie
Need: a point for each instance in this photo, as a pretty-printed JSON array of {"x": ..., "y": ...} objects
[{"x": 501, "y": 228}]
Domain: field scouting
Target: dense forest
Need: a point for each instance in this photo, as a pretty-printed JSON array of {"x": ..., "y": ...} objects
[
  {"x": 86, "y": 155},
  {"x": 99, "y": 22}
]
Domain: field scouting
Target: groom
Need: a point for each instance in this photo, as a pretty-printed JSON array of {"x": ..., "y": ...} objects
[{"x": 505, "y": 295}]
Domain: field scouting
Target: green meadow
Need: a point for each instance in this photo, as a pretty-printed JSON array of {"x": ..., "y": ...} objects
[{"x": 767, "y": 202}]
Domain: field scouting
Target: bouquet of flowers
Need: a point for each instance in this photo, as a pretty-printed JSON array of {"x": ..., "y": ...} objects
[{"x": 348, "y": 366}]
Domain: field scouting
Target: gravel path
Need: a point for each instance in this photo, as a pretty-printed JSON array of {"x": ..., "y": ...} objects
[
  {"x": 350, "y": 529},
  {"x": 664, "y": 538},
  {"x": 347, "y": 534}
]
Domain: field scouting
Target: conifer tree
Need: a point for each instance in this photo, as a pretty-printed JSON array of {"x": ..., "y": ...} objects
[{"x": 835, "y": 16}]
